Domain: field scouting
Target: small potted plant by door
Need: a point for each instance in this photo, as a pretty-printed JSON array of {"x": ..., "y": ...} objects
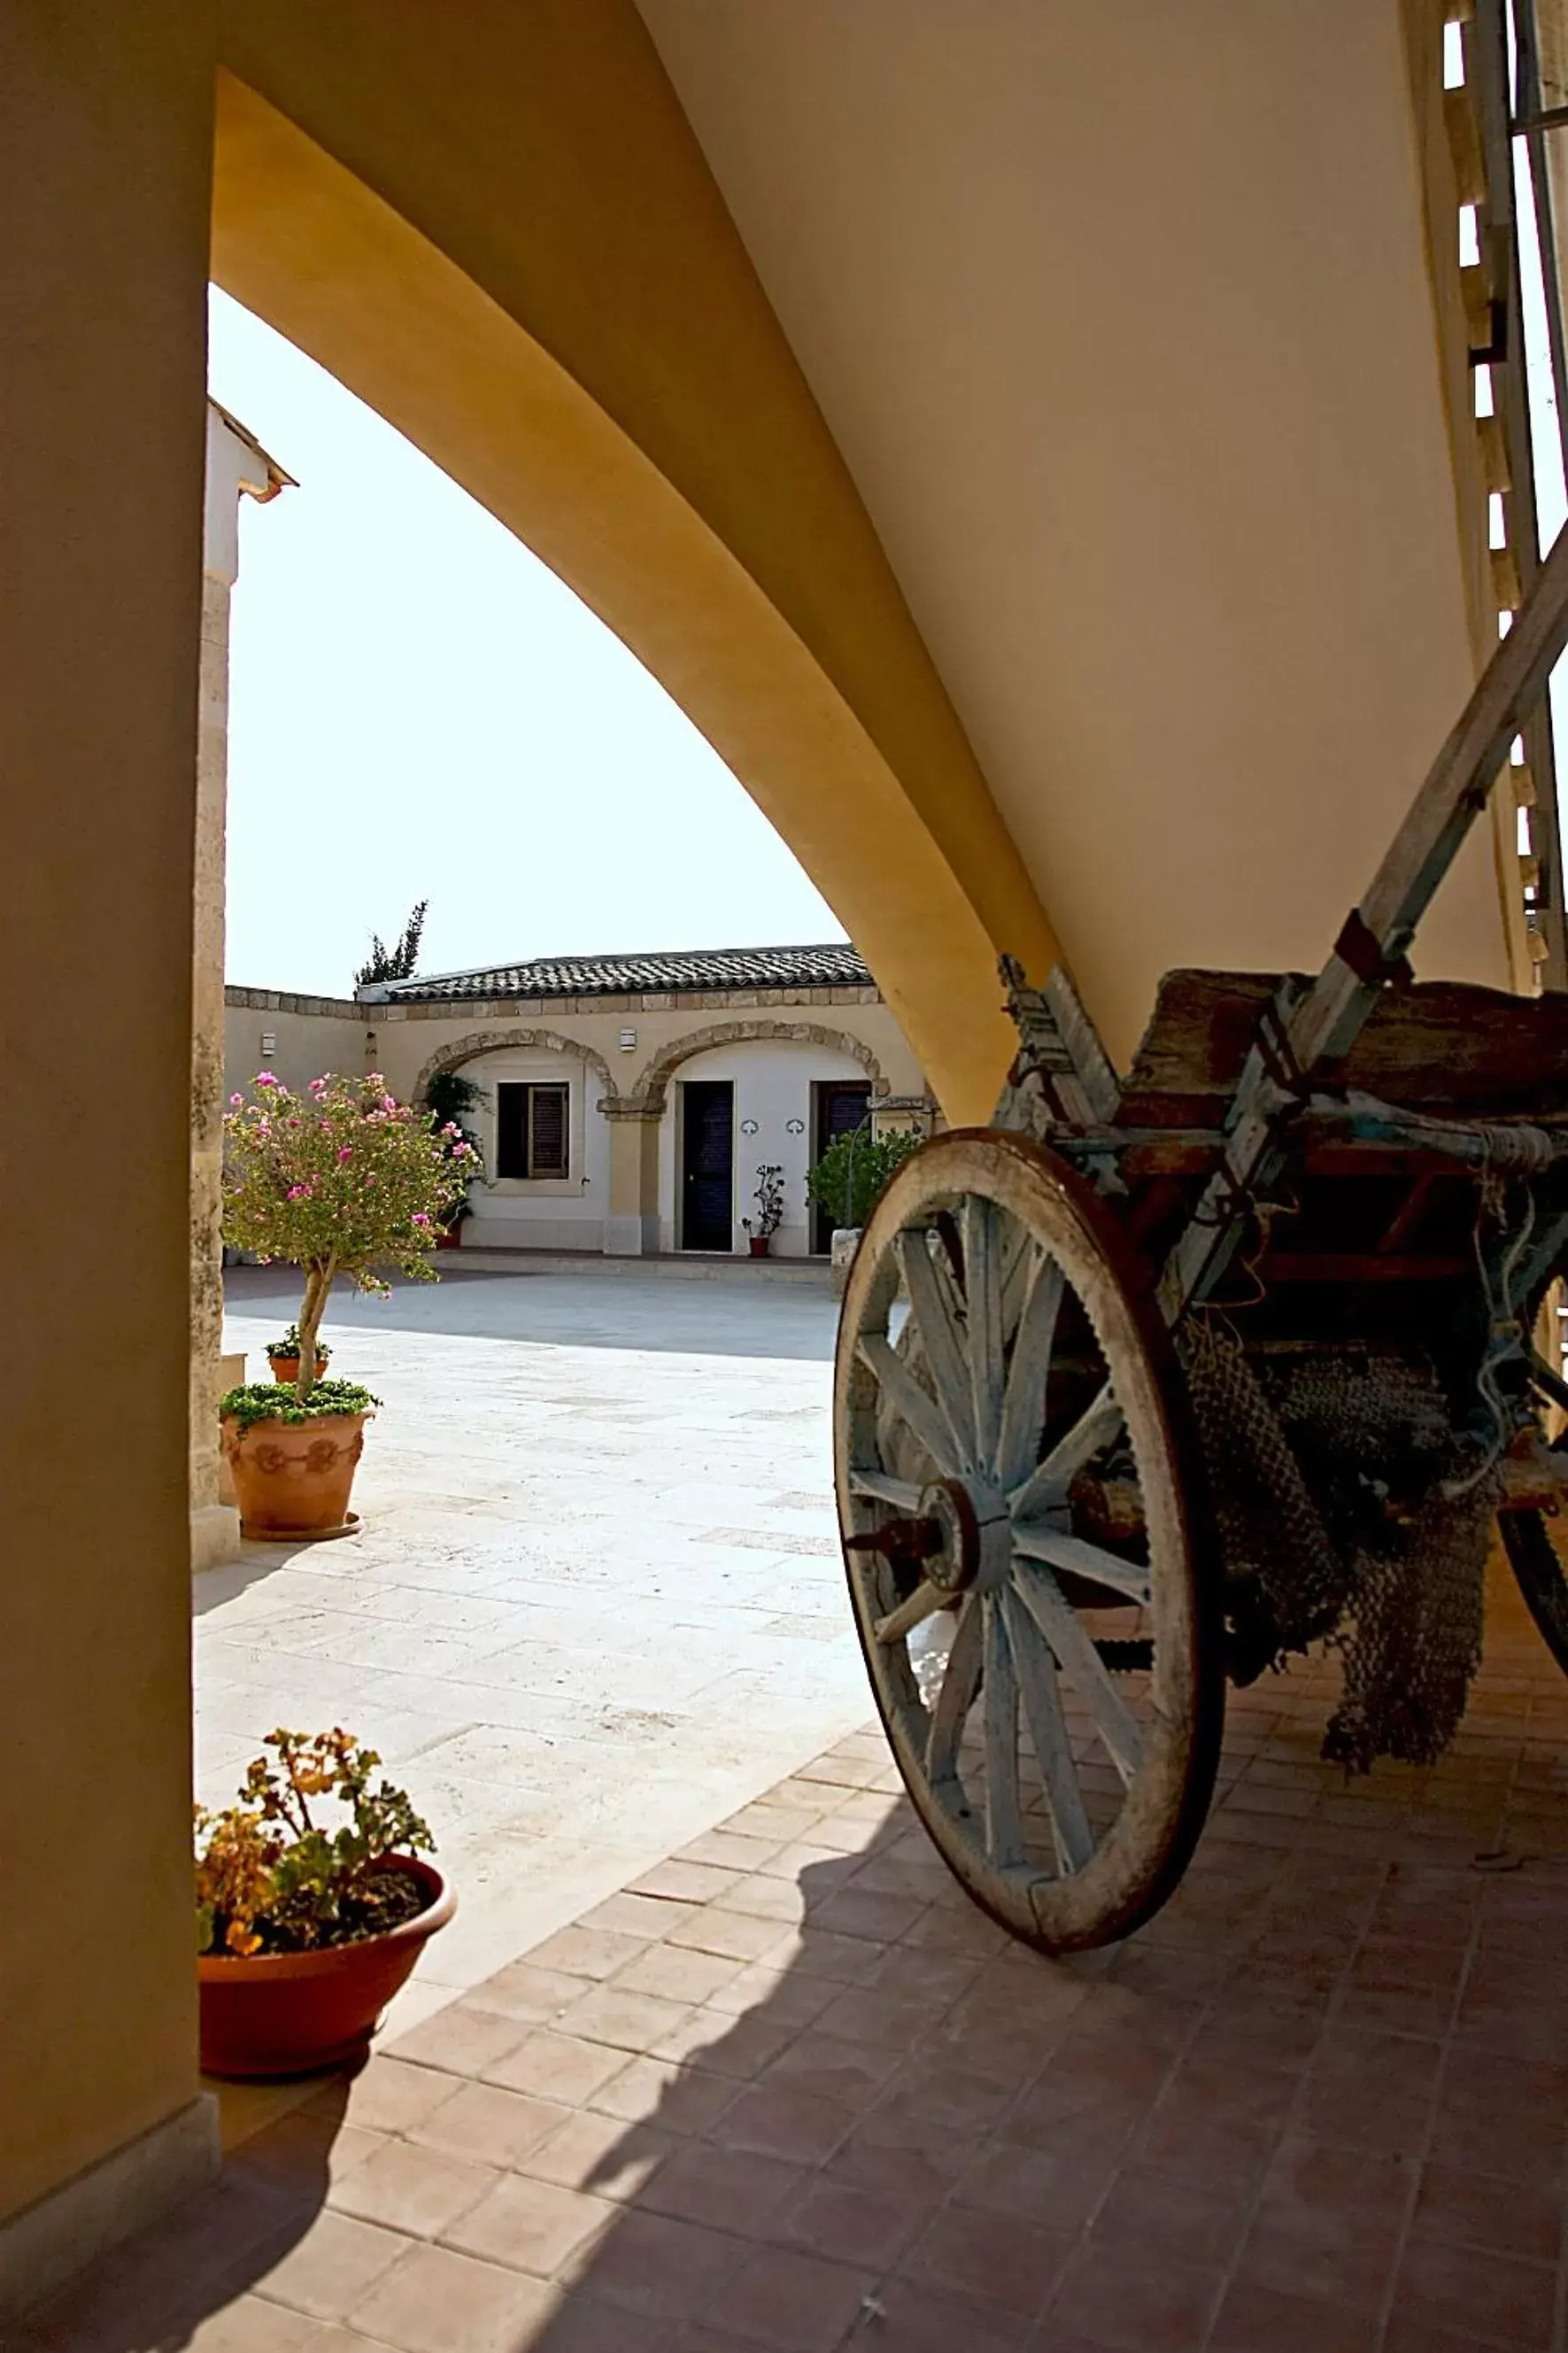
[
  {"x": 313, "y": 1906},
  {"x": 283, "y": 1355},
  {"x": 342, "y": 1181},
  {"x": 768, "y": 1199},
  {"x": 449, "y": 1099}
]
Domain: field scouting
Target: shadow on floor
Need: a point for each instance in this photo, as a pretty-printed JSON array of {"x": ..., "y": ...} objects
[
  {"x": 792, "y": 2094},
  {"x": 722, "y": 1316}
]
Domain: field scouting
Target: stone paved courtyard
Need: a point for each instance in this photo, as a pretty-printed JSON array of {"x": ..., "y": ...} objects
[
  {"x": 597, "y": 1602},
  {"x": 790, "y": 2094}
]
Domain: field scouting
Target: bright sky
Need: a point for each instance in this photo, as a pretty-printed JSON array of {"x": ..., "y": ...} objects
[{"x": 419, "y": 709}]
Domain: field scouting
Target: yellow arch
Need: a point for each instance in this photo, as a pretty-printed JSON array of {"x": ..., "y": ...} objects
[{"x": 557, "y": 308}]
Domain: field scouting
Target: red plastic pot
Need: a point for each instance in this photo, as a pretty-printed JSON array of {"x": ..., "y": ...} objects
[
  {"x": 293, "y": 2013},
  {"x": 759, "y": 1245}
]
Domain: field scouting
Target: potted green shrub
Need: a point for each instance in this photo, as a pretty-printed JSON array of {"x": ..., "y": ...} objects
[
  {"x": 313, "y": 1905},
  {"x": 343, "y": 1180},
  {"x": 768, "y": 1199},
  {"x": 283, "y": 1355}
]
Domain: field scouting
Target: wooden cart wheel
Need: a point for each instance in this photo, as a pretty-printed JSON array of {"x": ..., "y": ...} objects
[
  {"x": 1019, "y": 1496},
  {"x": 1532, "y": 1541}
]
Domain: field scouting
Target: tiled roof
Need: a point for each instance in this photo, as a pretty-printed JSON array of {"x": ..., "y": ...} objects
[{"x": 835, "y": 965}]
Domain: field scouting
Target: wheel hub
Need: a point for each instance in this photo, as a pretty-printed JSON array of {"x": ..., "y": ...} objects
[{"x": 970, "y": 1522}]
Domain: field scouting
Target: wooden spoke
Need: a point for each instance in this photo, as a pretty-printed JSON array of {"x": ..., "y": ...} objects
[
  {"x": 1036, "y": 1671},
  {"x": 1081, "y": 1663},
  {"x": 1020, "y": 1259},
  {"x": 914, "y": 1405},
  {"x": 999, "y": 1710},
  {"x": 1037, "y": 1542},
  {"x": 945, "y": 1351},
  {"x": 923, "y": 1602},
  {"x": 881, "y": 1487},
  {"x": 1024, "y": 1407},
  {"x": 982, "y": 1292},
  {"x": 1050, "y": 1483},
  {"x": 956, "y": 1697}
]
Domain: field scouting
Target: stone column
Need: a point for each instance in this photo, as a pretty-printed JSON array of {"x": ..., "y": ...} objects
[
  {"x": 235, "y": 465},
  {"x": 631, "y": 1229}
]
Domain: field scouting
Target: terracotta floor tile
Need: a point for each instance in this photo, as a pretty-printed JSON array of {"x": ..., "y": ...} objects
[
  {"x": 660, "y": 2266},
  {"x": 388, "y": 2095},
  {"x": 819, "y": 1953},
  {"x": 438, "y": 2301},
  {"x": 947, "y": 2095},
  {"x": 729, "y": 1849},
  {"x": 462, "y": 2040},
  {"x": 994, "y": 2258},
  {"x": 580, "y": 1952},
  {"x": 894, "y": 2154},
  {"x": 1144, "y": 2214},
  {"x": 1475, "y": 2209},
  {"x": 412, "y": 2189},
  {"x": 830, "y": 2217},
  {"x": 833, "y": 2066},
  {"x": 1500, "y": 2299},
  {"x": 578, "y": 2324},
  {"x": 1256, "y": 2318},
  {"x": 793, "y": 2302},
  {"x": 254, "y": 2326},
  {"x": 559, "y": 2067},
  {"x": 687, "y": 1883},
  {"x": 855, "y": 1912},
  {"x": 915, "y": 2317},
  {"x": 333, "y": 2265},
  {"x": 533, "y": 1995},
  {"x": 614, "y": 2161},
  {"x": 679, "y": 1974},
  {"x": 732, "y": 1935},
  {"x": 489, "y": 2126},
  {"x": 305, "y": 2151},
  {"x": 775, "y": 2120},
  {"x": 677, "y": 2100},
  {"x": 786, "y": 2000},
  {"x": 729, "y": 2189},
  {"x": 530, "y": 2225},
  {"x": 1148, "y": 2307},
  {"x": 646, "y": 1916},
  {"x": 875, "y": 2018},
  {"x": 738, "y": 2047},
  {"x": 625, "y": 2020}
]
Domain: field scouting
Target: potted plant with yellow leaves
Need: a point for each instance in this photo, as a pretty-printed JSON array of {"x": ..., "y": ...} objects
[
  {"x": 343, "y": 1180},
  {"x": 313, "y": 1906}
]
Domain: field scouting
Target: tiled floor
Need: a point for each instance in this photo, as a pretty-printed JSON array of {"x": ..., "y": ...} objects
[{"x": 790, "y": 2093}]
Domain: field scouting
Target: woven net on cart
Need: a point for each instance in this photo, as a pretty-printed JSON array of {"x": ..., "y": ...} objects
[{"x": 1325, "y": 1469}]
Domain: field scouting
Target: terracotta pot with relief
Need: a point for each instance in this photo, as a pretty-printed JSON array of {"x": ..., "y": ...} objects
[
  {"x": 293, "y": 1465},
  {"x": 292, "y": 2013}
]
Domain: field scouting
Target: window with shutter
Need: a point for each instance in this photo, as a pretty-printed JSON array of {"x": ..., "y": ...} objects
[{"x": 547, "y": 1131}]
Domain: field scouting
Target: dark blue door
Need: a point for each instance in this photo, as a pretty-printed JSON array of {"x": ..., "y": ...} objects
[{"x": 708, "y": 1165}]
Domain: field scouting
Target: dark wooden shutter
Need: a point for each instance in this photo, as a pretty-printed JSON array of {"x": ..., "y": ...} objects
[
  {"x": 512, "y": 1131},
  {"x": 549, "y": 1154}
]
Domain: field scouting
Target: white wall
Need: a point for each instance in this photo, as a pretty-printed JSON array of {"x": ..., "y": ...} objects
[
  {"x": 772, "y": 1081},
  {"x": 546, "y": 1212}
]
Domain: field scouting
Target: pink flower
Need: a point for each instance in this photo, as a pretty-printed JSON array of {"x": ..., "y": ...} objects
[
  {"x": 346, "y": 1152},
  {"x": 376, "y": 1079},
  {"x": 300, "y": 1193},
  {"x": 266, "y": 1079},
  {"x": 318, "y": 1086},
  {"x": 236, "y": 1099},
  {"x": 389, "y": 1102},
  {"x": 420, "y": 1218}
]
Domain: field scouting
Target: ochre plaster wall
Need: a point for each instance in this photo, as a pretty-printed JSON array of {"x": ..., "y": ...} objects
[
  {"x": 495, "y": 225},
  {"x": 104, "y": 144}
]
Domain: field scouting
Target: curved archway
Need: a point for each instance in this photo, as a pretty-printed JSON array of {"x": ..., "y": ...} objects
[
  {"x": 561, "y": 314},
  {"x": 468, "y": 1048},
  {"x": 648, "y": 1095}
]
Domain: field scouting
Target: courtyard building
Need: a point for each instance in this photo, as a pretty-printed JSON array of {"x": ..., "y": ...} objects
[{"x": 628, "y": 1103}]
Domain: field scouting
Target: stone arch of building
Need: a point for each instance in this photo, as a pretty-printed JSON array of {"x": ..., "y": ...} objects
[
  {"x": 652, "y": 1089},
  {"x": 458, "y": 1051}
]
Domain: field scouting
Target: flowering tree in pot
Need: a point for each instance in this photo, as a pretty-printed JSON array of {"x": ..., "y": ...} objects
[{"x": 343, "y": 1180}]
